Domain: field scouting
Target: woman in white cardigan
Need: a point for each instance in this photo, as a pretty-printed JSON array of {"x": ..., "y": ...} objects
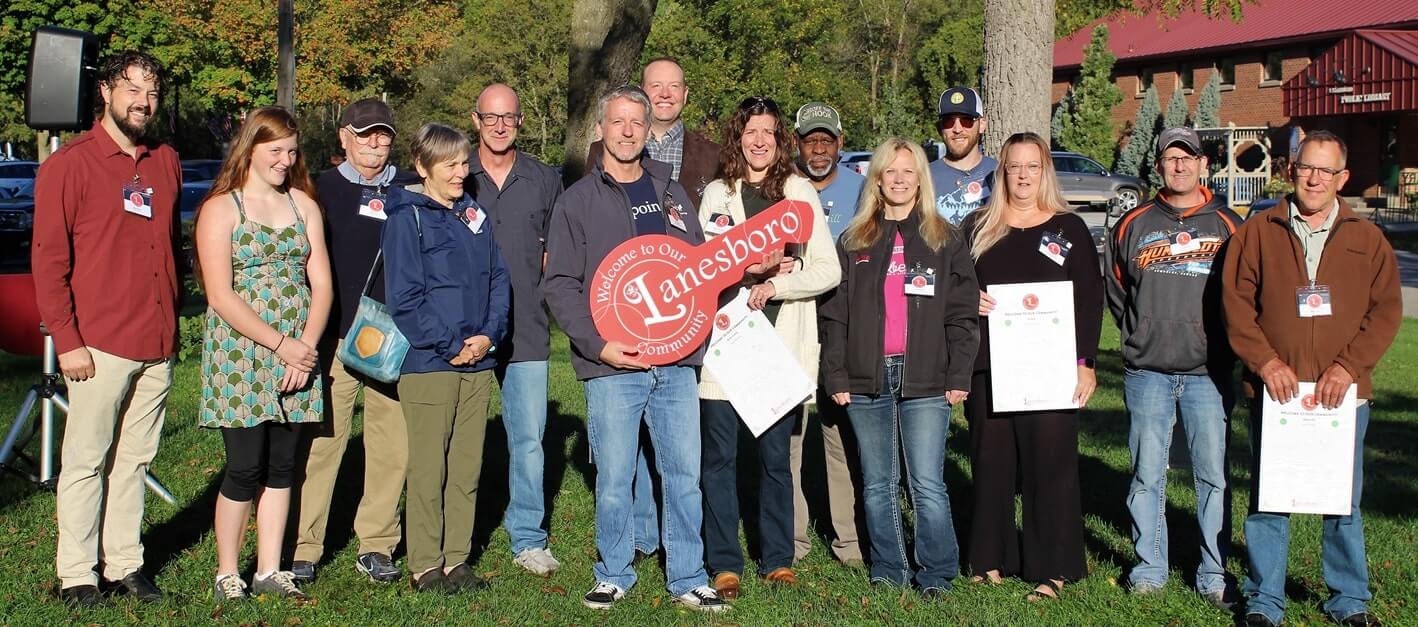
[{"x": 756, "y": 172}]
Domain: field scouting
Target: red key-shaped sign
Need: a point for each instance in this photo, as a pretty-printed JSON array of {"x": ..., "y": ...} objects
[{"x": 659, "y": 294}]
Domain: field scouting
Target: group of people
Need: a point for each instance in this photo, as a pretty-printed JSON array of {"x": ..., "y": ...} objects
[{"x": 886, "y": 305}]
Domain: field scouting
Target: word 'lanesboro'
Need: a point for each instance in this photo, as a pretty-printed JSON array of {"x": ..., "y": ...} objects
[{"x": 658, "y": 294}]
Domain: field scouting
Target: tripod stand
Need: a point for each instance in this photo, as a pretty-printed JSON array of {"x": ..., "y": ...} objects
[{"x": 47, "y": 393}]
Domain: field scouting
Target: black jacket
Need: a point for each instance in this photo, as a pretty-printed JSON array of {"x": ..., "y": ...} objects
[
  {"x": 1165, "y": 298},
  {"x": 589, "y": 220},
  {"x": 942, "y": 331}
]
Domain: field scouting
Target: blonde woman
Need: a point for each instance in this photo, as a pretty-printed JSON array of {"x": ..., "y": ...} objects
[
  {"x": 1008, "y": 239},
  {"x": 905, "y": 273},
  {"x": 757, "y": 169}
]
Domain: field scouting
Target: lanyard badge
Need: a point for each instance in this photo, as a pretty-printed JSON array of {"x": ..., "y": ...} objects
[
  {"x": 672, "y": 213},
  {"x": 920, "y": 281},
  {"x": 138, "y": 198},
  {"x": 1313, "y": 301},
  {"x": 1055, "y": 247},
  {"x": 371, "y": 204}
]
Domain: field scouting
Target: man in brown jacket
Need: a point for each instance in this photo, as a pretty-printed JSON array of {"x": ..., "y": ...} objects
[{"x": 1311, "y": 293}]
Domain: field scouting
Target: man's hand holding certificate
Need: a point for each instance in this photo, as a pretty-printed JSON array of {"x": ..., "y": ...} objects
[{"x": 1307, "y": 453}]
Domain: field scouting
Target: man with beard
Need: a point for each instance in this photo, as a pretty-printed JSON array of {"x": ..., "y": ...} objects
[
  {"x": 819, "y": 133},
  {"x": 964, "y": 176},
  {"x": 106, "y": 223},
  {"x": 353, "y": 194},
  {"x": 518, "y": 192},
  {"x": 625, "y": 195}
]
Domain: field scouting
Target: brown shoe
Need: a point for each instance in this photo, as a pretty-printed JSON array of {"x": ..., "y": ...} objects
[
  {"x": 784, "y": 576},
  {"x": 727, "y": 585}
]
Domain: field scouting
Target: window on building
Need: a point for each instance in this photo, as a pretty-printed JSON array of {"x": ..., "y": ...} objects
[
  {"x": 1144, "y": 81},
  {"x": 1184, "y": 77},
  {"x": 1227, "y": 69},
  {"x": 1274, "y": 70}
]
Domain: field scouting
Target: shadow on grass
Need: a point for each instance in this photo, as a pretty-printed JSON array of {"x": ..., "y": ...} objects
[{"x": 493, "y": 492}]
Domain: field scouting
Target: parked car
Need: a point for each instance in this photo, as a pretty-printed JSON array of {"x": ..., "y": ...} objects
[
  {"x": 16, "y": 230},
  {"x": 1086, "y": 182},
  {"x": 192, "y": 195},
  {"x": 17, "y": 177},
  {"x": 200, "y": 169},
  {"x": 855, "y": 161}
]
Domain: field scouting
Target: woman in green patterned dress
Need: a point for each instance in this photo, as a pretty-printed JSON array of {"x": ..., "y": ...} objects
[{"x": 261, "y": 256}]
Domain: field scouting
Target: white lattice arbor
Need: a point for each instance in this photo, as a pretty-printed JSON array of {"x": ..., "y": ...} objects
[{"x": 1241, "y": 184}]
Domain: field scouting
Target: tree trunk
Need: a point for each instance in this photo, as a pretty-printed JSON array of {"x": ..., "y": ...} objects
[
  {"x": 607, "y": 37},
  {"x": 285, "y": 55},
  {"x": 1019, "y": 62}
]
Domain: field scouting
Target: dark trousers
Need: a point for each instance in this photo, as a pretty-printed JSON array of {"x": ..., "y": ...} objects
[
  {"x": 1038, "y": 451},
  {"x": 719, "y": 479},
  {"x": 258, "y": 457}
]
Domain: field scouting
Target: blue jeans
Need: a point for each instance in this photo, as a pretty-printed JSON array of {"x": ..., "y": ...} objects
[
  {"x": 646, "y": 514},
  {"x": 887, "y": 425},
  {"x": 524, "y": 416},
  {"x": 1346, "y": 568},
  {"x": 666, "y": 399},
  {"x": 1153, "y": 401}
]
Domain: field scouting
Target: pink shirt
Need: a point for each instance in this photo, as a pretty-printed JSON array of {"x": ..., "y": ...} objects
[{"x": 894, "y": 291}]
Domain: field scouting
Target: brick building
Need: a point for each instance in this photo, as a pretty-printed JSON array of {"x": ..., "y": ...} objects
[{"x": 1363, "y": 84}]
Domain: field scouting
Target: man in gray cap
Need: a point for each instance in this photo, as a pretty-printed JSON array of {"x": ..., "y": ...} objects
[
  {"x": 964, "y": 176},
  {"x": 1165, "y": 296},
  {"x": 353, "y": 195},
  {"x": 819, "y": 134}
]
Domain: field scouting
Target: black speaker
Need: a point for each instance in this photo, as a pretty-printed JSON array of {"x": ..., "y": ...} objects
[{"x": 59, "y": 91}]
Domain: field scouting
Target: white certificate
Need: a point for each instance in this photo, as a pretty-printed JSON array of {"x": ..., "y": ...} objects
[
  {"x": 758, "y": 373},
  {"x": 1033, "y": 350},
  {"x": 1307, "y": 454}
]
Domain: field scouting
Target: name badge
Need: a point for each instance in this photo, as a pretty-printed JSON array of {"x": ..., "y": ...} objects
[
  {"x": 1313, "y": 301},
  {"x": 476, "y": 216},
  {"x": 920, "y": 282},
  {"x": 827, "y": 208},
  {"x": 1055, "y": 247},
  {"x": 1185, "y": 242},
  {"x": 138, "y": 199},
  {"x": 718, "y": 223},
  {"x": 672, "y": 213},
  {"x": 371, "y": 204}
]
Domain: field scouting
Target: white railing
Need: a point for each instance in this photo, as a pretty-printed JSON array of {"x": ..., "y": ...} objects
[{"x": 1241, "y": 186}]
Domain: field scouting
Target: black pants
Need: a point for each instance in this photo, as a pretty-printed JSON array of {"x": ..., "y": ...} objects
[
  {"x": 257, "y": 457},
  {"x": 719, "y": 425},
  {"x": 1038, "y": 451}
]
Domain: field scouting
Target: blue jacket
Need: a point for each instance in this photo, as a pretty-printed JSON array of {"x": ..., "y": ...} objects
[{"x": 443, "y": 285}]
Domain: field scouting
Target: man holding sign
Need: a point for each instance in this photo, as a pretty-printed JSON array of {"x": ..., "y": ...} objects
[
  {"x": 1311, "y": 294},
  {"x": 624, "y": 196}
]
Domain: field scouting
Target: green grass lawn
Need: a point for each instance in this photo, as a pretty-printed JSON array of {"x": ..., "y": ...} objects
[{"x": 181, "y": 555}]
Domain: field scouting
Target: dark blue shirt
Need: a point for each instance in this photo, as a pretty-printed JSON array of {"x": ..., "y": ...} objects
[
  {"x": 444, "y": 282},
  {"x": 645, "y": 209}
]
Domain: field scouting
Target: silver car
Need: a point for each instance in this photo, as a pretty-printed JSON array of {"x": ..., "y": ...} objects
[{"x": 1086, "y": 182}]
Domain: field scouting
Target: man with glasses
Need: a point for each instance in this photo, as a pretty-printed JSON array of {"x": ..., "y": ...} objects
[
  {"x": 1310, "y": 294},
  {"x": 1166, "y": 300},
  {"x": 518, "y": 192},
  {"x": 353, "y": 195},
  {"x": 964, "y": 176}
]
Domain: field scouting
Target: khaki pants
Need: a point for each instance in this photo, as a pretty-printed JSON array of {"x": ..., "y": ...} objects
[
  {"x": 386, "y": 454},
  {"x": 110, "y": 437},
  {"x": 446, "y": 414},
  {"x": 841, "y": 484}
]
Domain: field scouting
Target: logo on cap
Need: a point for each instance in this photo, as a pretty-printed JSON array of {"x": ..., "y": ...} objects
[{"x": 957, "y": 98}]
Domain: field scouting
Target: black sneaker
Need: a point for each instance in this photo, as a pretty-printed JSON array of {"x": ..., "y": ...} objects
[
  {"x": 81, "y": 596},
  {"x": 136, "y": 586},
  {"x": 1256, "y": 619},
  {"x": 302, "y": 570},
  {"x": 603, "y": 596},
  {"x": 463, "y": 579},
  {"x": 704, "y": 599},
  {"x": 377, "y": 566},
  {"x": 1361, "y": 619}
]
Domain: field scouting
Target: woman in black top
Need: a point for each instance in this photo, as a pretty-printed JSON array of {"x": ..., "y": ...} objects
[{"x": 1007, "y": 238}]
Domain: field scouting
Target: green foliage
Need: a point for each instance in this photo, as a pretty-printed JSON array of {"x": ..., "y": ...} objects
[
  {"x": 1059, "y": 121},
  {"x": 1208, "y": 105},
  {"x": 1135, "y": 158},
  {"x": 1090, "y": 128},
  {"x": 1176, "y": 110},
  {"x": 189, "y": 336}
]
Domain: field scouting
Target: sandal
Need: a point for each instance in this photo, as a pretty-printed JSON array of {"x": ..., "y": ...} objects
[
  {"x": 1047, "y": 589},
  {"x": 991, "y": 576}
]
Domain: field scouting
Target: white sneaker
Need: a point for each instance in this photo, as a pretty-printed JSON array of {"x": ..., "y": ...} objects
[
  {"x": 704, "y": 599},
  {"x": 539, "y": 562},
  {"x": 603, "y": 596}
]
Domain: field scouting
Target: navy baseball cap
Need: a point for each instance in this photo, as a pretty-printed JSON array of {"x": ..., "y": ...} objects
[
  {"x": 961, "y": 100},
  {"x": 1187, "y": 137}
]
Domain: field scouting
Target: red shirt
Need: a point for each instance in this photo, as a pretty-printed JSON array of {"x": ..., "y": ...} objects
[
  {"x": 105, "y": 277},
  {"x": 894, "y": 291}
]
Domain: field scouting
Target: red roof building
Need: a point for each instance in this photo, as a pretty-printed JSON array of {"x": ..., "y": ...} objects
[{"x": 1281, "y": 66}]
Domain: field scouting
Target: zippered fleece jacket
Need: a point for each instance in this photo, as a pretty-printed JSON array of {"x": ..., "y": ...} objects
[{"x": 1164, "y": 289}]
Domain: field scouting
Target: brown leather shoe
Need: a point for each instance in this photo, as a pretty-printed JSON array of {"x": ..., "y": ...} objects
[
  {"x": 727, "y": 585},
  {"x": 783, "y": 576}
]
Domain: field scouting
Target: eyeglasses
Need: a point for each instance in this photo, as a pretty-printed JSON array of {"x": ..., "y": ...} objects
[
  {"x": 376, "y": 137},
  {"x": 513, "y": 120},
  {"x": 950, "y": 121},
  {"x": 1303, "y": 170},
  {"x": 1184, "y": 160},
  {"x": 1032, "y": 167}
]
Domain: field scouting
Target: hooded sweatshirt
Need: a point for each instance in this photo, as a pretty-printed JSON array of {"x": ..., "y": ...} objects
[{"x": 1164, "y": 285}]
